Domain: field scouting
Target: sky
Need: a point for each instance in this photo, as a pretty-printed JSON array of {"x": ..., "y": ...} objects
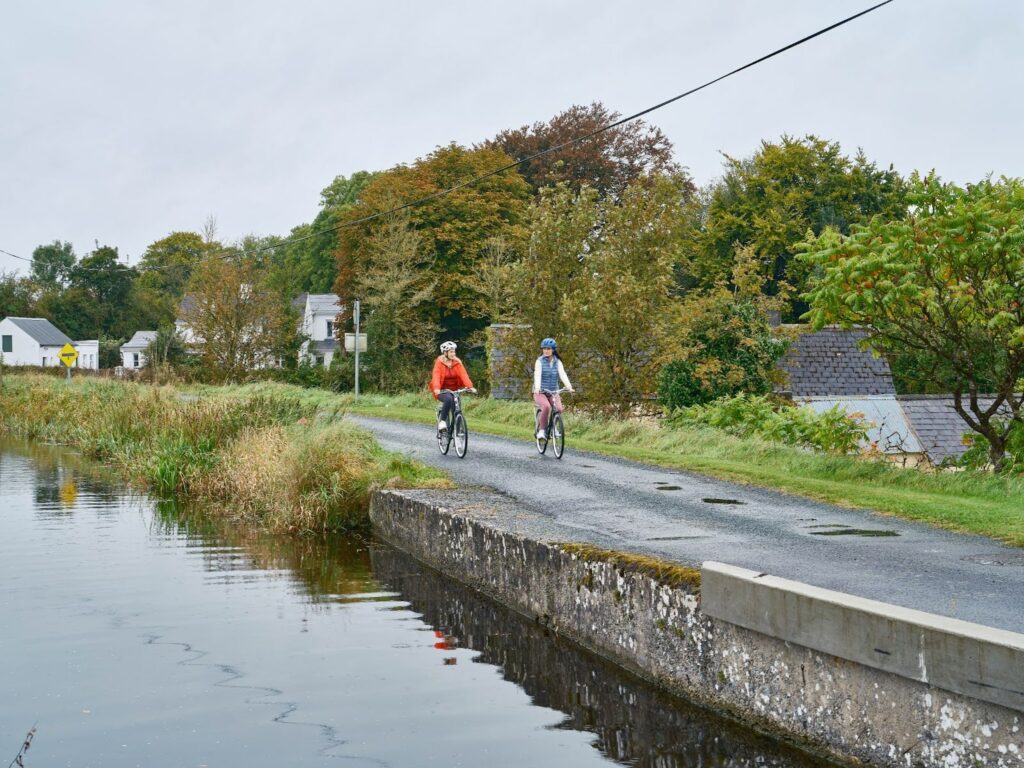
[{"x": 124, "y": 120}]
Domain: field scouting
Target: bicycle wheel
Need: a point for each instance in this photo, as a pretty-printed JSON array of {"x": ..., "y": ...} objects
[
  {"x": 461, "y": 436},
  {"x": 542, "y": 443},
  {"x": 444, "y": 440},
  {"x": 557, "y": 435}
]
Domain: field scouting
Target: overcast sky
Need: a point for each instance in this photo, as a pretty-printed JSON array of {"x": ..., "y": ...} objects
[{"x": 124, "y": 120}]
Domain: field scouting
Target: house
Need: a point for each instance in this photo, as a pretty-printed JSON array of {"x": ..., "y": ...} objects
[
  {"x": 37, "y": 341},
  {"x": 829, "y": 368},
  {"x": 133, "y": 352},
  {"x": 319, "y": 318}
]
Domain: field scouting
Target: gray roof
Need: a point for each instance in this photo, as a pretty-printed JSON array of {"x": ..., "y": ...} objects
[
  {"x": 41, "y": 330},
  {"x": 937, "y": 424},
  {"x": 140, "y": 340},
  {"x": 886, "y": 423},
  {"x": 830, "y": 362},
  {"x": 326, "y": 345},
  {"x": 299, "y": 302},
  {"x": 324, "y": 302}
]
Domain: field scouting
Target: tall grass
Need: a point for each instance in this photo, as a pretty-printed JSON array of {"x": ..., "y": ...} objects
[{"x": 272, "y": 455}]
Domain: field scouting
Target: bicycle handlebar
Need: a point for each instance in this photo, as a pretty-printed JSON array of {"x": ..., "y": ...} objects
[
  {"x": 557, "y": 391},
  {"x": 457, "y": 391}
]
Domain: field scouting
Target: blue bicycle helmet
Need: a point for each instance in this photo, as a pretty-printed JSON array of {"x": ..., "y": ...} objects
[{"x": 548, "y": 343}]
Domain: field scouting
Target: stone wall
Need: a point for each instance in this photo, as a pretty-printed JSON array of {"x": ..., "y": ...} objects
[{"x": 664, "y": 633}]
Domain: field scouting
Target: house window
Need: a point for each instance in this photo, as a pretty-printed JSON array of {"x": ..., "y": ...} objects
[
  {"x": 330, "y": 329},
  {"x": 8, "y": 342},
  {"x": 135, "y": 360}
]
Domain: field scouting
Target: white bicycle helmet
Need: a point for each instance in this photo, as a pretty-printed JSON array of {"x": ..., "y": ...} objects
[{"x": 446, "y": 345}]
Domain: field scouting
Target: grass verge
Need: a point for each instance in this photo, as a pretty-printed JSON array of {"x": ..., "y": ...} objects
[
  {"x": 971, "y": 502},
  {"x": 273, "y": 456}
]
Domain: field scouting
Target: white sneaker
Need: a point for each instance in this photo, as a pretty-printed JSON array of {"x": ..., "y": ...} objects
[
  {"x": 541, "y": 434},
  {"x": 442, "y": 426}
]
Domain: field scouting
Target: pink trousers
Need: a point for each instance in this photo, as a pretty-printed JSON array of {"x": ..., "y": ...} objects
[{"x": 544, "y": 404}]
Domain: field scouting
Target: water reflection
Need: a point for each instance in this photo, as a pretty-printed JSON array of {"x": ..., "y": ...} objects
[{"x": 634, "y": 723}]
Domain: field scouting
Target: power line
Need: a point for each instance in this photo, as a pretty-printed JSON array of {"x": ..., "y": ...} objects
[{"x": 516, "y": 163}]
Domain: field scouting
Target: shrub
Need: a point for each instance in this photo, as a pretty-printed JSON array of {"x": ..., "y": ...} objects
[{"x": 832, "y": 431}]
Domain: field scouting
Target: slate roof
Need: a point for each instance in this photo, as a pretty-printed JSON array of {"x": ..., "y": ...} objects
[
  {"x": 937, "y": 424},
  {"x": 41, "y": 330},
  {"x": 830, "y": 362},
  {"x": 140, "y": 340},
  {"x": 324, "y": 302}
]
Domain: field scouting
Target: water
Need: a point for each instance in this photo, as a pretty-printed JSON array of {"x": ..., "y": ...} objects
[{"x": 132, "y": 634}]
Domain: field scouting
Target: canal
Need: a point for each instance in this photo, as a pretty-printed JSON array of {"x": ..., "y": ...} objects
[{"x": 133, "y": 633}]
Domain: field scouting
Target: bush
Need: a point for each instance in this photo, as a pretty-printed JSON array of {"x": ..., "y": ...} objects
[
  {"x": 832, "y": 431},
  {"x": 978, "y": 453}
]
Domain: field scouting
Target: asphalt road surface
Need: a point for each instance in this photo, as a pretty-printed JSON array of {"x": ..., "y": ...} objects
[{"x": 690, "y": 518}]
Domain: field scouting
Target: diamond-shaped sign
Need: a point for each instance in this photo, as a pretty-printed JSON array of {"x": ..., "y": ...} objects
[{"x": 68, "y": 355}]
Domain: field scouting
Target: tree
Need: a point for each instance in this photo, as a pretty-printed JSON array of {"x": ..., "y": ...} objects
[
  {"x": 598, "y": 276},
  {"x": 946, "y": 282},
  {"x": 607, "y": 163},
  {"x": 726, "y": 344},
  {"x": 770, "y": 200},
  {"x": 104, "y": 283},
  {"x": 454, "y": 229},
  {"x": 15, "y": 295},
  {"x": 310, "y": 264},
  {"x": 235, "y": 323},
  {"x": 396, "y": 290},
  {"x": 166, "y": 348},
  {"x": 52, "y": 264}
]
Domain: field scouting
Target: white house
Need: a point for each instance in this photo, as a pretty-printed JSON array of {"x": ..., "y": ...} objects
[
  {"x": 37, "y": 341},
  {"x": 133, "y": 352},
  {"x": 319, "y": 317},
  {"x": 88, "y": 354}
]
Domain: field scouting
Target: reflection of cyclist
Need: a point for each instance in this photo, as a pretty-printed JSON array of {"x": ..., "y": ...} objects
[
  {"x": 449, "y": 373},
  {"x": 547, "y": 372}
]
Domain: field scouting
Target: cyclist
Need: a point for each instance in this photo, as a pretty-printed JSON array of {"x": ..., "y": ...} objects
[
  {"x": 547, "y": 372},
  {"x": 449, "y": 373}
]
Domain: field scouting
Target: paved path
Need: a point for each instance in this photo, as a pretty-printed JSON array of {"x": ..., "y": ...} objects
[{"x": 690, "y": 518}]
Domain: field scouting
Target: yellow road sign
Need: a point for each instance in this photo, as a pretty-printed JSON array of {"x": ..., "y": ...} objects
[{"x": 68, "y": 355}]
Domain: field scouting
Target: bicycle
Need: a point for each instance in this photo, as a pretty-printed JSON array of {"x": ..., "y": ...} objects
[
  {"x": 554, "y": 433},
  {"x": 457, "y": 431}
]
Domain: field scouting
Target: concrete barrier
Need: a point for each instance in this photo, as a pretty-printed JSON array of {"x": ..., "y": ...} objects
[
  {"x": 785, "y": 658},
  {"x": 981, "y": 662}
]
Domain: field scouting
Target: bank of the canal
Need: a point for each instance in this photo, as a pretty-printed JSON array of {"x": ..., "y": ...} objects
[{"x": 857, "y": 679}]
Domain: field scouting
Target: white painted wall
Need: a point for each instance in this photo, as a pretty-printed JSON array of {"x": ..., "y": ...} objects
[
  {"x": 133, "y": 358},
  {"x": 88, "y": 354},
  {"x": 24, "y": 349}
]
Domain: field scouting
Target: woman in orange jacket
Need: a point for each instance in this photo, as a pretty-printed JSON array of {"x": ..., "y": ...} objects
[{"x": 449, "y": 373}]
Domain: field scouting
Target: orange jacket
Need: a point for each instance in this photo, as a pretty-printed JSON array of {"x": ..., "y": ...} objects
[{"x": 449, "y": 374}]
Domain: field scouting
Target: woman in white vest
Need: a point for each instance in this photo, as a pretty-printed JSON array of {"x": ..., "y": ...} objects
[{"x": 548, "y": 371}]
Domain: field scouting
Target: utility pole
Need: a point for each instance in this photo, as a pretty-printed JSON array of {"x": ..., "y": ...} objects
[{"x": 355, "y": 319}]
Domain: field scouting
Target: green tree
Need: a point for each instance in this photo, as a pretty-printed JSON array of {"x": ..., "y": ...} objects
[
  {"x": 725, "y": 341},
  {"x": 945, "y": 283},
  {"x": 101, "y": 286},
  {"x": 607, "y": 163},
  {"x": 310, "y": 264},
  {"x": 395, "y": 290},
  {"x": 52, "y": 264},
  {"x": 15, "y": 295},
  {"x": 599, "y": 276},
  {"x": 770, "y": 201}
]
